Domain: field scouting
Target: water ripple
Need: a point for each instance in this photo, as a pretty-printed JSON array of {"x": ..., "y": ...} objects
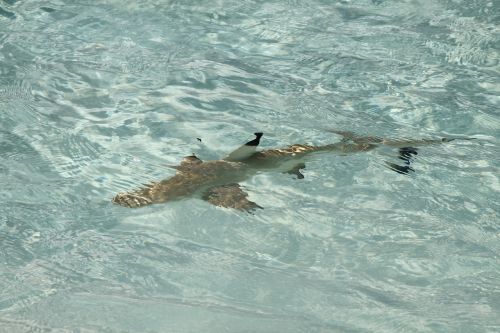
[{"x": 99, "y": 99}]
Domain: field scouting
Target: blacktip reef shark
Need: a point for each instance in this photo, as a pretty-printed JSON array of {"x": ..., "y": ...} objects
[{"x": 217, "y": 181}]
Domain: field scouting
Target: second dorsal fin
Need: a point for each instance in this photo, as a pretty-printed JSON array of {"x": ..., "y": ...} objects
[{"x": 245, "y": 151}]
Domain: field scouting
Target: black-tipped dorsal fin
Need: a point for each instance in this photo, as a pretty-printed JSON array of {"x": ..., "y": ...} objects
[{"x": 245, "y": 151}]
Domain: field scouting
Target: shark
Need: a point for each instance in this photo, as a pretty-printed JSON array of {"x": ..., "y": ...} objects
[{"x": 217, "y": 181}]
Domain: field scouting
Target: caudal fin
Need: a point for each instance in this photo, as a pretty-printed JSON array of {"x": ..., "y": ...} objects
[{"x": 406, "y": 154}]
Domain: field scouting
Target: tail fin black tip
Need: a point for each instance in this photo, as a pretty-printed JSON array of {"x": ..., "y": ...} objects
[
  {"x": 406, "y": 154},
  {"x": 404, "y": 170}
]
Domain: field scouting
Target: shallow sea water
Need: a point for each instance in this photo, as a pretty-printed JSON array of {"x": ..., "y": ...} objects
[{"x": 97, "y": 97}]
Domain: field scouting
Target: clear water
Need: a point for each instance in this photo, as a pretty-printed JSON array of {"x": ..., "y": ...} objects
[{"x": 97, "y": 97}]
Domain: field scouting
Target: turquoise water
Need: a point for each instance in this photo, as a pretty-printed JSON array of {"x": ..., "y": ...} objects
[{"x": 97, "y": 97}]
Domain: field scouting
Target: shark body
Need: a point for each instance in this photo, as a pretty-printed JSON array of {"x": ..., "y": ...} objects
[{"x": 217, "y": 181}]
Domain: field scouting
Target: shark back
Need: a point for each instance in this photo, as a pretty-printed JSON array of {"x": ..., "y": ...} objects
[{"x": 290, "y": 151}]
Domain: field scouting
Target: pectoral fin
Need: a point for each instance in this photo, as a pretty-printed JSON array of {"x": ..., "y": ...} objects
[
  {"x": 295, "y": 170},
  {"x": 230, "y": 196},
  {"x": 245, "y": 151},
  {"x": 138, "y": 198}
]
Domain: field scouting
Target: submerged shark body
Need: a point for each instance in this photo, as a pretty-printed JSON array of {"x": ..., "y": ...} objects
[{"x": 217, "y": 181}]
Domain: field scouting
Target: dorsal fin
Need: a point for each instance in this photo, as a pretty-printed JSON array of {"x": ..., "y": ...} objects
[{"x": 245, "y": 151}]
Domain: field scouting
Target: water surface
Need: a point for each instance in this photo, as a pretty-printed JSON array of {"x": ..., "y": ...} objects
[{"x": 99, "y": 97}]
